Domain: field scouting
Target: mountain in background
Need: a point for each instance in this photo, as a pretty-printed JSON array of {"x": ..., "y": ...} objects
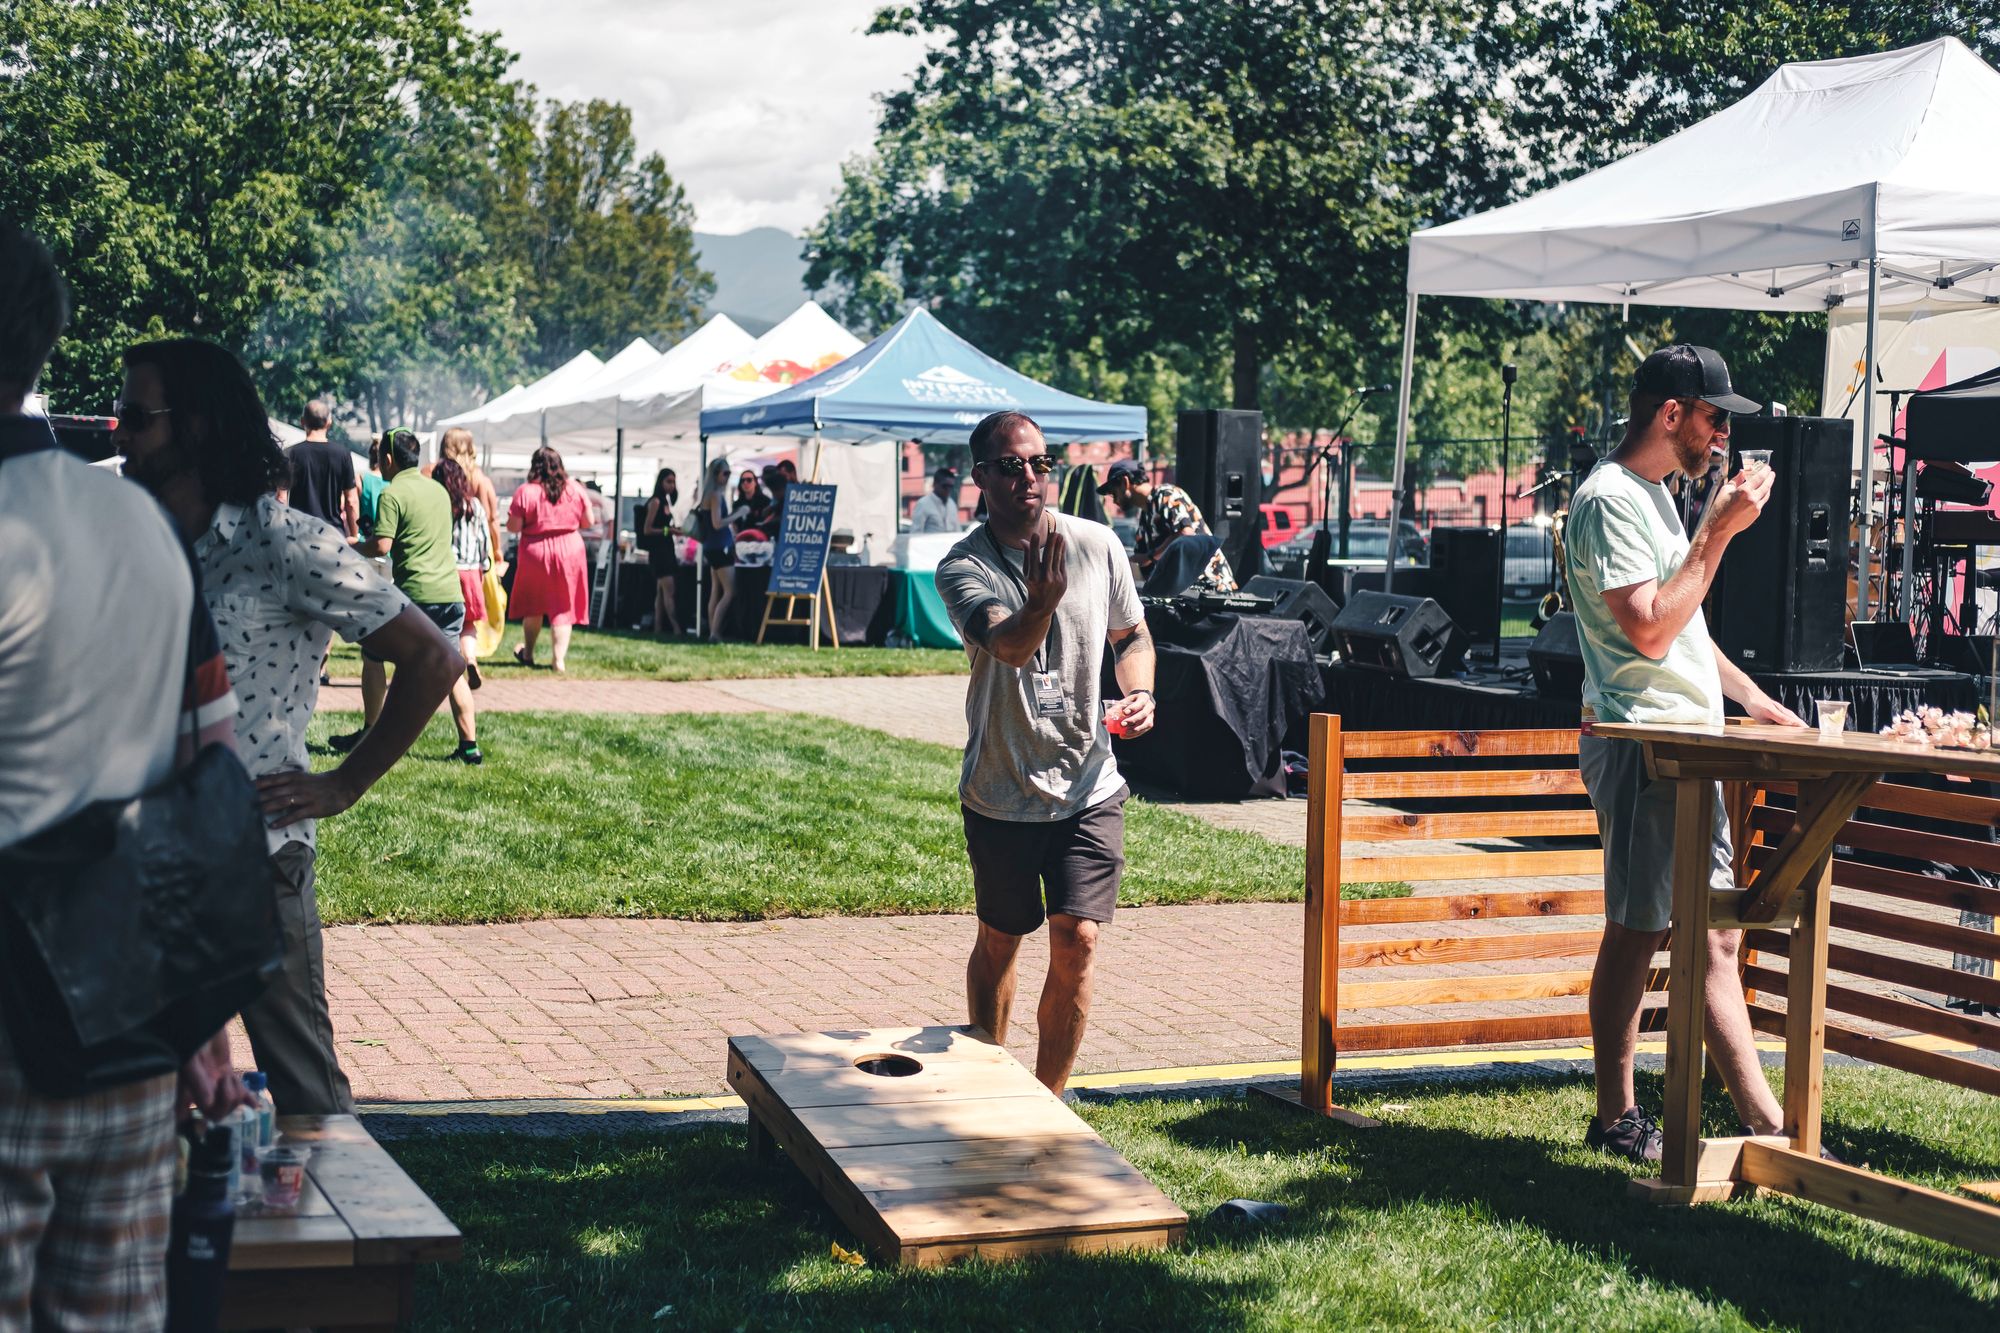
[{"x": 759, "y": 276}]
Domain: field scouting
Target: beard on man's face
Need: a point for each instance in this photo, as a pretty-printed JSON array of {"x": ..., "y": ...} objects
[
  {"x": 1691, "y": 446},
  {"x": 155, "y": 468}
]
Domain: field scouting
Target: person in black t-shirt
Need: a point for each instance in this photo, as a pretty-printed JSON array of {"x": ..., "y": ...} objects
[{"x": 323, "y": 482}]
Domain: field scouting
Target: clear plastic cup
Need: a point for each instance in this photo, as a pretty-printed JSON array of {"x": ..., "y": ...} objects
[
  {"x": 1753, "y": 458},
  {"x": 1832, "y": 718},
  {"x": 283, "y": 1170}
]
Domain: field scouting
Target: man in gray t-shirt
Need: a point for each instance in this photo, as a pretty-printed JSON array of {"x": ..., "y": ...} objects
[{"x": 1037, "y": 597}]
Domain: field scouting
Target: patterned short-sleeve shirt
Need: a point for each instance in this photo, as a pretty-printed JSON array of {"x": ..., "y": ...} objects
[
  {"x": 1169, "y": 511},
  {"x": 279, "y": 583}
]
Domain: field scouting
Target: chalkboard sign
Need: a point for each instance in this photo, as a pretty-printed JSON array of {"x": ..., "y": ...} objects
[{"x": 803, "y": 538}]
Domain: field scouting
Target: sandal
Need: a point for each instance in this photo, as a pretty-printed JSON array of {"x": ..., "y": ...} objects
[{"x": 521, "y": 656}]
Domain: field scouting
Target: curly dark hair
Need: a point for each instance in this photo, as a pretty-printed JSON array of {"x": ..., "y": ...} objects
[
  {"x": 451, "y": 476},
  {"x": 218, "y": 422},
  {"x": 546, "y": 466}
]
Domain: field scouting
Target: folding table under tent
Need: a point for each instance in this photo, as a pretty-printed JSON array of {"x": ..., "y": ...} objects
[{"x": 1835, "y": 181}]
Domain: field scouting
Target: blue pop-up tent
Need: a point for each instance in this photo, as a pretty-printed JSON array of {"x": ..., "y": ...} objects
[{"x": 921, "y": 381}]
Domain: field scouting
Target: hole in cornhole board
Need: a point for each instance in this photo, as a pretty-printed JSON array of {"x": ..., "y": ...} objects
[{"x": 888, "y": 1066}]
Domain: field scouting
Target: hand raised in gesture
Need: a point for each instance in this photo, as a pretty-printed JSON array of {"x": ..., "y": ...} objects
[{"x": 1046, "y": 571}]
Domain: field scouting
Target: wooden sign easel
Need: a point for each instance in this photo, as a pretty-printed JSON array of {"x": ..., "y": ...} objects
[{"x": 810, "y": 622}]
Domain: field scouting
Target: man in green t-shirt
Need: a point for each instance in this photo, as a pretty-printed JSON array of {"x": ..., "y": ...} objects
[{"x": 413, "y": 525}]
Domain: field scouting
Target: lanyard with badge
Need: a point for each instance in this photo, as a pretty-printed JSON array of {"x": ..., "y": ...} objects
[{"x": 1050, "y": 698}]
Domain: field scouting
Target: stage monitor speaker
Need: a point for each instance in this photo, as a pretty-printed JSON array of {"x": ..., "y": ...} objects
[
  {"x": 1398, "y": 635},
  {"x": 1221, "y": 464},
  {"x": 1556, "y": 659},
  {"x": 1303, "y": 601},
  {"x": 1781, "y": 594},
  {"x": 1465, "y": 579}
]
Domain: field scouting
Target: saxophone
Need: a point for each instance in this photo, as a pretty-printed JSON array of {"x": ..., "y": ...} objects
[{"x": 1556, "y": 599}]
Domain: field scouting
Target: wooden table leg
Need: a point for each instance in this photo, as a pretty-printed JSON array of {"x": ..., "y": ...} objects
[
  {"x": 1805, "y": 1006},
  {"x": 1694, "y": 834}
]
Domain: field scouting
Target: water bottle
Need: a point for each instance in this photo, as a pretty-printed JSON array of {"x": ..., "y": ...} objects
[
  {"x": 267, "y": 1110},
  {"x": 204, "y": 1220}
]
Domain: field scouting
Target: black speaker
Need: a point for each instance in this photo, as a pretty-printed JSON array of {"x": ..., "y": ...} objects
[
  {"x": 1302, "y": 601},
  {"x": 1556, "y": 659},
  {"x": 1781, "y": 595},
  {"x": 1220, "y": 462},
  {"x": 1465, "y": 570},
  {"x": 1402, "y": 636}
]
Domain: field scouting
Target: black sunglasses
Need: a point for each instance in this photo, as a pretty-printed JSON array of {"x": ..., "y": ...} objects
[
  {"x": 1013, "y": 465},
  {"x": 133, "y": 417}
]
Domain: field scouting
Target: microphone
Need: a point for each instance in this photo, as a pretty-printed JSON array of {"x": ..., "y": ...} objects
[{"x": 1376, "y": 388}]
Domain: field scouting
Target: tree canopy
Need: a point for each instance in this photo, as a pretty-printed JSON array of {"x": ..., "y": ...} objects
[{"x": 354, "y": 195}]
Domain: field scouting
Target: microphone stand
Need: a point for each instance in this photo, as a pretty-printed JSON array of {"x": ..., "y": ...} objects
[{"x": 1509, "y": 372}]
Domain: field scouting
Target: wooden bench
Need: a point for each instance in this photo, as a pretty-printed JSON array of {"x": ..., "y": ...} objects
[
  {"x": 348, "y": 1258},
  {"x": 1352, "y": 773}
]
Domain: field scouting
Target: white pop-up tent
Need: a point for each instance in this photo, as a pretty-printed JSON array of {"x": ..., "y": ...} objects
[
  {"x": 480, "y": 420},
  {"x": 1864, "y": 179}
]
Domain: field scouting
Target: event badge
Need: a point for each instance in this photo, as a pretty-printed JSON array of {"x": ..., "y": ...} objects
[{"x": 1050, "y": 701}]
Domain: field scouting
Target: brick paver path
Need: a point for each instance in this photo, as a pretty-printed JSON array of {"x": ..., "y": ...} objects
[{"x": 617, "y": 1008}]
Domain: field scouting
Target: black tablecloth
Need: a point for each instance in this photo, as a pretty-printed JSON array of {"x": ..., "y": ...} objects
[
  {"x": 1876, "y": 698},
  {"x": 861, "y": 606},
  {"x": 1229, "y": 688},
  {"x": 1372, "y": 701}
]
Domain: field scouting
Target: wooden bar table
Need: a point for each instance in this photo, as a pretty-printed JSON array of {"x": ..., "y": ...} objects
[{"x": 1791, "y": 892}]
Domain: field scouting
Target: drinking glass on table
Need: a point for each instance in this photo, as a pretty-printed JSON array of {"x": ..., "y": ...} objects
[{"x": 1832, "y": 718}]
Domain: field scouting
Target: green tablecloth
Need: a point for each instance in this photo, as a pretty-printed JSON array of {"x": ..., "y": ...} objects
[{"x": 920, "y": 613}]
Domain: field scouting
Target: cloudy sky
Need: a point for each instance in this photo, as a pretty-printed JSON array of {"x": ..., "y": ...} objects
[{"x": 755, "y": 103}]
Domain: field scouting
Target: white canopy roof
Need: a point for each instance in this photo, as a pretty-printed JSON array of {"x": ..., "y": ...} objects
[
  {"x": 798, "y": 347},
  {"x": 643, "y": 393},
  {"x": 520, "y": 423},
  {"x": 1775, "y": 203},
  {"x": 571, "y": 372}
]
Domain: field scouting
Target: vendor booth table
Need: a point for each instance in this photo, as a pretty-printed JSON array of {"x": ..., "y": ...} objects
[{"x": 1791, "y": 890}]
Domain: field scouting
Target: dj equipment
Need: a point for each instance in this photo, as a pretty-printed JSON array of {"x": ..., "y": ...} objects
[
  {"x": 1958, "y": 421},
  {"x": 1963, "y": 527},
  {"x": 1397, "y": 635},
  {"x": 1781, "y": 595},
  {"x": 1296, "y": 599},
  {"x": 1221, "y": 465},
  {"x": 1466, "y": 568},
  {"x": 1950, "y": 483},
  {"x": 1556, "y": 659}
]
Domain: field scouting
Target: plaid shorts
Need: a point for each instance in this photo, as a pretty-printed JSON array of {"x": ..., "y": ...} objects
[{"x": 86, "y": 1186}]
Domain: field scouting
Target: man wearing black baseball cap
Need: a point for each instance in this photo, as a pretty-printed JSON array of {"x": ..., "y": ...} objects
[
  {"x": 1637, "y": 581},
  {"x": 1166, "y": 514}
]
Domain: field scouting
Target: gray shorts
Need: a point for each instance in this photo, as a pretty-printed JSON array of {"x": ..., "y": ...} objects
[
  {"x": 1074, "y": 863},
  {"x": 1635, "y": 819}
]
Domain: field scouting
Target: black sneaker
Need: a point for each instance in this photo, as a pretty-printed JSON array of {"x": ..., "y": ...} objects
[
  {"x": 468, "y": 752},
  {"x": 347, "y": 742},
  {"x": 1634, "y": 1136}
]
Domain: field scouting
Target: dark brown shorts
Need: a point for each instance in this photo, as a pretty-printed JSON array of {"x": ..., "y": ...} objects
[{"x": 1073, "y": 864}]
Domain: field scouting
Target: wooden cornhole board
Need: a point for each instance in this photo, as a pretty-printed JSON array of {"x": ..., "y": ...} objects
[{"x": 965, "y": 1155}]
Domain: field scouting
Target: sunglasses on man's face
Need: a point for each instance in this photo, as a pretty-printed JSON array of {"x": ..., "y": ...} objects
[
  {"x": 134, "y": 418},
  {"x": 1013, "y": 465}
]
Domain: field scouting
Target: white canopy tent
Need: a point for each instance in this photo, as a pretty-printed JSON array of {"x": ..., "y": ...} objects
[
  {"x": 1835, "y": 181},
  {"x": 524, "y": 425}
]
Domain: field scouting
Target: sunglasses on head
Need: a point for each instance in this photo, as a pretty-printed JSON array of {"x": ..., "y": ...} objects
[{"x": 1013, "y": 465}]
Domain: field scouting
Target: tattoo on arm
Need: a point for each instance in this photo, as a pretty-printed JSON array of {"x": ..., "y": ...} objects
[
  {"x": 1140, "y": 637},
  {"x": 980, "y": 625}
]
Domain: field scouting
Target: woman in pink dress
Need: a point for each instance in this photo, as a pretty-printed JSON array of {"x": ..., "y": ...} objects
[{"x": 551, "y": 578}]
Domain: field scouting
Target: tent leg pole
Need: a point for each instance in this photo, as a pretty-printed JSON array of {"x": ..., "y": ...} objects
[
  {"x": 1402, "y": 438},
  {"x": 617, "y": 522},
  {"x": 1861, "y": 592}
]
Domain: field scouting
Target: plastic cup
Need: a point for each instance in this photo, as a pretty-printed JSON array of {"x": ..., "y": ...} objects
[
  {"x": 1832, "y": 718},
  {"x": 1114, "y": 717},
  {"x": 1753, "y": 458},
  {"x": 283, "y": 1171}
]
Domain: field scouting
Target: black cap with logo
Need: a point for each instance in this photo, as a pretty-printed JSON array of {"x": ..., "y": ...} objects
[
  {"x": 1686, "y": 371},
  {"x": 1123, "y": 469}
]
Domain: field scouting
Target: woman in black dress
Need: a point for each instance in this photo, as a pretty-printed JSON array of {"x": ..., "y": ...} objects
[{"x": 656, "y": 539}]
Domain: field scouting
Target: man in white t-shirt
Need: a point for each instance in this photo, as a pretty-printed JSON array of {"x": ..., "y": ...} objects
[
  {"x": 1039, "y": 598},
  {"x": 936, "y": 510},
  {"x": 1637, "y": 582}
]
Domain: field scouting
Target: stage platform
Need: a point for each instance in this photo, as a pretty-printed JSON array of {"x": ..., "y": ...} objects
[{"x": 1488, "y": 697}]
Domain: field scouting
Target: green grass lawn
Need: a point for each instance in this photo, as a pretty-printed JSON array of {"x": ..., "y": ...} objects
[
  {"x": 1471, "y": 1208},
  {"x": 623, "y": 655},
  {"x": 706, "y": 817}
]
